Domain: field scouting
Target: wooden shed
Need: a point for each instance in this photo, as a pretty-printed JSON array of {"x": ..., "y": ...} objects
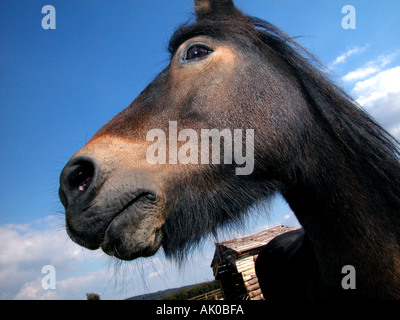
[{"x": 234, "y": 264}]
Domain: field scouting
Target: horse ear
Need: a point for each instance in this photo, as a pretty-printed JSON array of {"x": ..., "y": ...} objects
[{"x": 211, "y": 7}]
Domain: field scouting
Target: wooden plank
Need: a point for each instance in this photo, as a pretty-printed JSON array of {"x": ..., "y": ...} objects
[
  {"x": 247, "y": 278},
  {"x": 252, "y": 281},
  {"x": 255, "y": 293},
  {"x": 248, "y": 272},
  {"x": 245, "y": 266},
  {"x": 245, "y": 261},
  {"x": 248, "y": 267},
  {"x": 242, "y": 268},
  {"x": 253, "y": 287}
]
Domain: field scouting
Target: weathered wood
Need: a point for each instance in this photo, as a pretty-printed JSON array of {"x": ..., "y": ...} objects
[
  {"x": 245, "y": 266},
  {"x": 255, "y": 293},
  {"x": 247, "y": 269},
  {"x": 239, "y": 256},
  {"x": 244, "y": 262},
  {"x": 257, "y": 240},
  {"x": 248, "y": 274},
  {"x": 258, "y": 297},
  {"x": 247, "y": 278},
  {"x": 253, "y": 287}
]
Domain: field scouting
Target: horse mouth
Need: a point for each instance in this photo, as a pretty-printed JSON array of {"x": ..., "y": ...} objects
[
  {"x": 130, "y": 232},
  {"x": 135, "y": 231}
]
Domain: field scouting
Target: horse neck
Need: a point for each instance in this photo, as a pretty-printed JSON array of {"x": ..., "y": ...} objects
[{"x": 348, "y": 221}]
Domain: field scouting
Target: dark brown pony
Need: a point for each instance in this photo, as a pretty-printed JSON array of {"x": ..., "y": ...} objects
[{"x": 338, "y": 169}]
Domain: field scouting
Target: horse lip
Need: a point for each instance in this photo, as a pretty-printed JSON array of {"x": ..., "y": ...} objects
[
  {"x": 140, "y": 196},
  {"x": 112, "y": 243},
  {"x": 96, "y": 244}
]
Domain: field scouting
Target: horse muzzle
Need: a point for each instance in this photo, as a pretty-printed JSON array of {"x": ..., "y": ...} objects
[{"x": 110, "y": 204}]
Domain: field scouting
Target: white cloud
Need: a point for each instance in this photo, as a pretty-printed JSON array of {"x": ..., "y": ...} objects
[
  {"x": 33, "y": 291},
  {"x": 376, "y": 87},
  {"x": 370, "y": 67},
  {"x": 360, "y": 73},
  {"x": 380, "y": 96},
  {"x": 343, "y": 57},
  {"x": 395, "y": 130}
]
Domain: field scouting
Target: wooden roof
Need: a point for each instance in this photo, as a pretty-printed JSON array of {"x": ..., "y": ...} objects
[
  {"x": 228, "y": 251},
  {"x": 254, "y": 241}
]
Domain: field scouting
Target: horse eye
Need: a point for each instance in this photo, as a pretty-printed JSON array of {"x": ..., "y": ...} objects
[{"x": 197, "y": 52}]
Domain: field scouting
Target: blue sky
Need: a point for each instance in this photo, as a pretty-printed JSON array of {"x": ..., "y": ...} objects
[{"x": 58, "y": 87}]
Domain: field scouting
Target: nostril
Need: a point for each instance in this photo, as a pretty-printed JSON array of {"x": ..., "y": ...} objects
[
  {"x": 82, "y": 176},
  {"x": 76, "y": 178}
]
